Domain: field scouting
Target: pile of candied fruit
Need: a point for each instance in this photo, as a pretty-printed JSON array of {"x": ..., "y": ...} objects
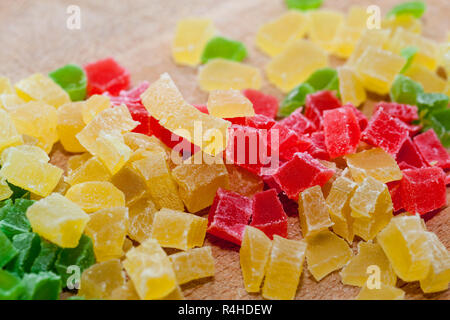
[{"x": 133, "y": 188}]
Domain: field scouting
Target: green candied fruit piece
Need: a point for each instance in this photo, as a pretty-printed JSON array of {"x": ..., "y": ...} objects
[
  {"x": 304, "y": 5},
  {"x": 220, "y": 47},
  {"x": 324, "y": 79},
  {"x": 413, "y": 8},
  {"x": 28, "y": 245},
  {"x": 45, "y": 261},
  {"x": 13, "y": 220},
  {"x": 10, "y": 286},
  {"x": 408, "y": 53},
  {"x": 81, "y": 256},
  {"x": 295, "y": 99},
  {"x": 72, "y": 79},
  {"x": 41, "y": 286},
  {"x": 405, "y": 90},
  {"x": 18, "y": 192},
  {"x": 430, "y": 102},
  {"x": 440, "y": 122},
  {"x": 7, "y": 250}
]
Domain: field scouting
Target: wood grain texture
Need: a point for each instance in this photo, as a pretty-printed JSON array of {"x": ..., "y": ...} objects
[{"x": 34, "y": 38}]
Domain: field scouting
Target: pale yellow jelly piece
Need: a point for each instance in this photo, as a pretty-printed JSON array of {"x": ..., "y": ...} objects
[
  {"x": 357, "y": 17},
  {"x": 9, "y": 136},
  {"x": 374, "y": 37},
  {"x": 323, "y": 27},
  {"x": 138, "y": 141},
  {"x": 100, "y": 280},
  {"x": 164, "y": 102},
  {"x": 5, "y": 86},
  {"x": 112, "y": 150},
  {"x": 70, "y": 123},
  {"x": 405, "y": 21},
  {"x": 407, "y": 247},
  {"x": 150, "y": 270},
  {"x": 284, "y": 268},
  {"x": 254, "y": 255},
  {"x": 338, "y": 203},
  {"x": 325, "y": 253},
  {"x": 385, "y": 292},
  {"x": 229, "y": 104},
  {"x": 58, "y": 220},
  {"x": 33, "y": 152},
  {"x": 131, "y": 183},
  {"x": 90, "y": 170},
  {"x": 191, "y": 36},
  {"x": 193, "y": 264},
  {"x": 160, "y": 184},
  {"x": 313, "y": 212},
  {"x": 176, "y": 229},
  {"x": 222, "y": 74},
  {"x": 42, "y": 88},
  {"x": 38, "y": 120},
  {"x": 125, "y": 292},
  {"x": 76, "y": 161},
  {"x": 93, "y": 106},
  {"x": 21, "y": 168},
  {"x": 141, "y": 215},
  {"x": 375, "y": 163},
  {"x": 176, "y": 294},
  {"x": 95, "y": 195},
  {"x": 345, "y": 41},
  {"x": 5, "y": 190},
  {"x": 370, "y": 260},
  {"x": 350, "y": 87},
  {"x": 439, "y": 274},
  {"x": 9, "y": 101},
  {"x": 294, "y": 65},
  {"x": 274, "y": 36},
  {"x": 108, "y": 229},
  {"x": 198, "y": 183},
  {"x": 430, "y": 81}
]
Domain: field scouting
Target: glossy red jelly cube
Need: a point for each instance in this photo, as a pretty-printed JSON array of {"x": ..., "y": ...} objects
[
  {"x": 404, "y": 112},
  {"x": 317, "y": 103},
  {"x": 432, "y": 150},
  {"x": 318, "y": 148},
  {"x": 289, "y": 142},
  {"x": 361, "y": 117},
  {"x": 106, "y": 75},
  {"x": 299, "y": 123},
  {"x": 263, "y": 104},
  {"x": 410, "y": 155}
]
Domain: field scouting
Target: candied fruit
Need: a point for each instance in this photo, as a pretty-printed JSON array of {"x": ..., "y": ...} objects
[
  {"x": 193, "y": 264},
  {"x": 70, "y": 123},
  {"x": 106, "y": 75},
  {"x": 268, "y": 214},
  {"x": 386, "y": 292},
  {"x": 314, "y": 216},
  {"x": 229, "y": 104}
]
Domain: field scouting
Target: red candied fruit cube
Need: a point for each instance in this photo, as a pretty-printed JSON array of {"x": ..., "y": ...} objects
[
  {"x": 298, "y": 122},
  {"x": 106, "y": 76},
  {"x": 228, "y": 216},
  {"x": 241, "y": 121},
  {"x": 289, "y": 142},
  {"x": 268, "y": 214},
  {"x": 301, "y": 173},
  {"x": 423, "y": 190},
  {"x": 318, "y": 148},
  {"x": 386, "y": 132},
  {"x": 396, "y": 195},
  {"x": 341, "y": 130},
  {"x": 414, "y": 129},
  {"x": 317, "y": 103},
  {"x": 260, "y": 121},
  {"x": 410, "y": 155},
  {"x": 447, "y": 179},
  {"x": 263, "y": 104},
  {"x": 432, "y": 149},
  {"x": 140, "y": 114},
  {"x": 362, "y": 119},
  {"x": 404, "y": 112}
]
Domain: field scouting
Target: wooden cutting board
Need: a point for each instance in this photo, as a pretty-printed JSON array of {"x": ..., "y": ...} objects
[{"x": 34, "y": 38}]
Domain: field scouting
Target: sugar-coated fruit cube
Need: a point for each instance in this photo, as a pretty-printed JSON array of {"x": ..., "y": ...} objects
[
  {"x": 430, "y": 80},
  {"x": 318, "y": 148},
  {"x": 11, "y": 286},
  {"x": 131, "y": 183},
  {"x": 93, "y": 106},
  {"x": 396, "y": 195},
  {"x": 295, "y": 99},
  {"x": 91, "y": 170},
  {"x": 432, "y": 149},
  {"x": 221, "y": 47},
  {"x": 41, "y": 286},
  {"x": 72, "y": 79},
  {"x": 289, "y": 142},
  {"x": 323, "y": 27},
  {"x": 7, "y": 250},
  {"x": 70, "y": 123},
  {"x": 9, "y": 135},
  {"x": 243, "y": 181},
  {"x": 229, "y": 104},
  {"x": 297, "y": 122},
  {"x": 268, "y": 214},
  {"x": 314, "y": 216},
  {"x": 141, "y": 214},
  {"x": 106, "y": 75},
  {"x": 13, "y": 218},
  {"x": 409, "y": 154},
  {"x": 28, "y": 246},
  {"x": 405, "y": 112},
  {"x": 284, "y": 268},
  {"x": 317, "y": 103},
  {"x": 350, "y": 87},
  {"x": 5, "y": 190},
  {"x": 405, "y": 90},
  {"x": 370, "y": 37},
  {"x": 350, "y": 31},
  {"x": 385, "y": 292},
  {"x": 9, "y": 101},
  {"x": 45, "y": 261},
  {"x": 193, "y": 264},
  {"x": 263, "y": 104},
  {"x": 125, "y": 292}
]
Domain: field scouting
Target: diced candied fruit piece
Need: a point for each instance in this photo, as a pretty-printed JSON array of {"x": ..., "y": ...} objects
[
  {"x": 243, "y": 182},
  {"x": 295, "y": 99},
  {"x": 5, "y": 190},
  {"x": 41, "y": 286},
  {"x": 106, "y": 75},
  {"x": 9, "y": 101},
  {"x": 297, "y": 122},
  {"x": 268, "y": 214},
  {"x": 9, "y": 135},
  {"x": 45, "y": 261},
  {"x": 292, "y": 66},
  {"x": 91, "y": 170},
  {"x": 313, "y": 213},
  {"x": 141, "y": 214},
  {"x": 350, "y": 31},
  {"x": 95, "y": 195},
  {"x": 193, "y": 264},
  {"x": 396, "y": 195},
  {"x": 409, "y": 154},
  {"x": 317, "y": 103},
  {"x": 405, "y": 90},
  {"x": 229, "y": 104},
  {"x": 176, "y": 229},
  {"x": 324, "y": 26},
  {"x": 41, "y": 88},
  {"x": 11, "y": 286},
  {"x": 263, "y": 104},
  {"x": 289, "y": 142},
  {"x": 254, "y": 255},
  {"x": 125, "y": 292},
  {"x": 385, "y": 292},
  {"x": 93, "y": 106},
  {"x": 318, "y": 149},
  {"x": 284, "y": 268},
  {"x": 221, "y": 47},
  {"x": 70, "y": 123},
  {"x": 141, "y": 141},
  {"x": 13, "y": 219},
  {"x": 430, "y": 80},
  {"x": 28, "y": 246},
  {"x": 7, "y": 250},
  {"x": 412, "y": 8},
  {"x": 228, "y": 216},
  {"x": 405, "y": 112},
  {"x": 5, "y": 86},
  {"x": 432, "y": 149},
  {"x": 72, "y": 79},
  {"x": 350, "y": 87},
  {"x": 76, "y": 161},
  {"x": 325, "y": 253},
  {"x": 130, "y": 182},
  {"x": 370, "y": 37}
]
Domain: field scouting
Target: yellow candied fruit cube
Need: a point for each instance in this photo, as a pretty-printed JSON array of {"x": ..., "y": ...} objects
[
  {"x": 58, "y": 220},
  {"x": 125, "y": 292},
  {"x": 176, "y": 294},
  {"x": 100, "y": 280},
  {"x": 338, "y": 203},
  {"x": 284, "y": 268},
  {"x": 93, "y": 106},
  {"x": 375, "y": 163},
  {"x": 345, "y": 41},
  {"x": 385, "y": 292},
  {"x": 190, "y": 39},
  {"x": 222, "y": 74},
  {"x": 376, "y": 38},
  {"x": 274, "y": 36},
  {"x": 90, "y": 170},
  {"x": 439, "y": 274},
  {"x": 164, "y": 102},
  {"x": 323, "y": 27},
  {"x": 9, "y": 101},
  {"x": 313, "y": 212},
  {"x": 193, "y": 264},
  {"x": 108, "y": 228},
  {"x": 293, "y": 66},
  {"x": 70, "y": 123},
  {"x": 22, "y": 168},
  {"x": 176, "y": 229},
  {"x": 138, "y": 141},
  {"x": 404, "y": 21},
  {"x": 406, "y": 245},
  {"x": 141, "y": 214},
  {"x": 243, "y": 181},
  {"x": 5, "y": 86},
  {"x": 130, "y": 182},
  {"x": 325, "y": 253},
  {"x": 95, "y": 195},
  {"x": 5, "y": 190},
  {"x": 357, "y": 17},
  {"x": 229, "y": 104},
  {"x": 254, "y": 255},
  {"x": 76, "y": 161},
  {"x": 357, "y": 271},
  {"x": 151, "y": 271},
  {"x": 430, "y": 80},
  {"x": 350, "y": 87},
  {"x": 9, "y": 136}
]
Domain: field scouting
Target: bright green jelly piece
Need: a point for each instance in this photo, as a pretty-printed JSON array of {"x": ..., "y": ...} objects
[
  {"x": 295, "y": 99},
  {"x": 10, "y": 286},
  {"x": 13, "y": 220},
  {"x": 45, "y": 261},
  {"x": 440, "y": 122},
  {"x": 41, "y": 286},
  {"x": 304, "y": 4},
  {"x": 72, "y": 79},
  {"x": 408, "y": 53},
  {"x": 324, "y": 79},
  {"x": 405, "y": 90},
  {"x": 82, "y": 256},
  {"x": 430, "y": 102},
  {"x": 7, "y": 250},
  {"x": 220, "y": 47},
  {"x": 413, "y": 8},
  {"x": 28, "y": 245}
]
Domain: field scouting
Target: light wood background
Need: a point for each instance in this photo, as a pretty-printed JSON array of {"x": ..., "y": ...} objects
[{"x": 34, "y": 38}]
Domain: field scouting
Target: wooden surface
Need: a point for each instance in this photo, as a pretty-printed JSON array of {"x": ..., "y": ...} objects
[{"x": 34, "y": 38}]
